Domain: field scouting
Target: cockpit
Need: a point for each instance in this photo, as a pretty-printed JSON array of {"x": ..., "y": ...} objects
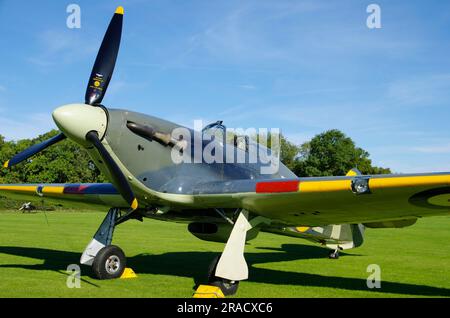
[{"x": 218, "y": 131}]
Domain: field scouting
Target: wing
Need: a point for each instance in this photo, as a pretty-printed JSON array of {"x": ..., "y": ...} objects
[
  {"x": 92, "y": 195},
  {"x": 334, "y": 200}
]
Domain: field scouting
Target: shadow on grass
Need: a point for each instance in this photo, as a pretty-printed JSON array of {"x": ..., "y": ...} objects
[{"x": 195, "y": 264}]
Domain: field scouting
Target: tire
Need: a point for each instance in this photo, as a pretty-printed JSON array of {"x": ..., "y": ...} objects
[
  {"x": 333, "y": 255},
  {"x": 227, "y": 287},
  {"x": 109, "y": 263}
]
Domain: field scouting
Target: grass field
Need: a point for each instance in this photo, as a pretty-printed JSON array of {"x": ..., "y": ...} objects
[{"x": 169, "y": 261}]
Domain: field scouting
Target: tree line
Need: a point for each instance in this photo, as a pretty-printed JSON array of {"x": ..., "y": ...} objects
[{"x": 327, "y": 154}]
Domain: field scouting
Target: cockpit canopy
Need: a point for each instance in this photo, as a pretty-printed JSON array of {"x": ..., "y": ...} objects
[{"x": 216, "y": 130}]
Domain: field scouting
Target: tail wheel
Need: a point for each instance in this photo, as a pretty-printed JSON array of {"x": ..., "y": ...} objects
[
  {"x": 228, "y": 287},
  {"x": 109, "y": 262},
  {"x": 334, "y": 254}
]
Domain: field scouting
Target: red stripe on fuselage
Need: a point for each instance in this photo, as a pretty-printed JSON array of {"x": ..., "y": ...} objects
[
  {"x": 277, "y": 186},
  {"x": 75, "y": 189}
]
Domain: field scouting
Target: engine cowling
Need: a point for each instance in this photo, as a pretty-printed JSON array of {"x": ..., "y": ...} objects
[{"x": 214, "y": 232}]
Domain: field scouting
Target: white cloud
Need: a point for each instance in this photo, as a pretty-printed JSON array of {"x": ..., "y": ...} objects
[
  {"x": 298, "y": 138},
  {"x": 245, "y": 33},
  {"x": 300, "y": 33},
  {"x": 403, "y": 166},
  {"x": 436, "y": 149},
  {"x": 248, "y": 86},
  {"x": 420, "y": 90},
  {"x": 29, "y": 126},
  {"x": 116, "y": 86},
  {"x": 61, "y": 46}
]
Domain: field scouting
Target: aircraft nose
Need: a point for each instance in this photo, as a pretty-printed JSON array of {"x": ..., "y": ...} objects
[{"x": 76, "y": 120}]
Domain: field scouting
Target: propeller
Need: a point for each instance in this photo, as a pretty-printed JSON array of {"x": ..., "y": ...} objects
[
  {"x": 86, "y": 124},
  {"x": 106, "y": 60},
  {"x": 98, "y": 82},
  {"x": 27, "y": 153},
  {"x": 119, "y": 178}
]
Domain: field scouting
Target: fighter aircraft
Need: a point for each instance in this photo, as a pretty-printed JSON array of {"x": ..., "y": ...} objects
[{"x": 220, "y": 201}]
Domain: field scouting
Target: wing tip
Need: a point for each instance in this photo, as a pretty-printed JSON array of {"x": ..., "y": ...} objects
[{"x": 119, "y": 10}]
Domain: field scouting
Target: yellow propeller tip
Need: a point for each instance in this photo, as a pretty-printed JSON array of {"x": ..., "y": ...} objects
[
  {"x": 119, "y": 10},
  {"x": 134, "y": 204},
  {"x": 6, "y": 164}
]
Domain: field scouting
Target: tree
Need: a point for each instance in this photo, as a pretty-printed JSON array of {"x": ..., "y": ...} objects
[
  {"x": 288, "y": 150},
  {"x": 332, "y": 153},
  {"x": 2, "y": 142}
]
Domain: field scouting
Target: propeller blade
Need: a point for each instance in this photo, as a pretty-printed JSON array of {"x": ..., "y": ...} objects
[
  {"x": 27, "y": 153},
  {"x": 118, "y": 177},
  {"x": 106, "y": 59}
]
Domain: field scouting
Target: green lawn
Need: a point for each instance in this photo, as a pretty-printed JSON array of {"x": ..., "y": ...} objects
[{"x": 169, "y": 261}]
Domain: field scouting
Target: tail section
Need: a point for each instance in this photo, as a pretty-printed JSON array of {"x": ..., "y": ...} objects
[
  {"x": 340, "y": 236},
  {"x": 345, "y": 236}
]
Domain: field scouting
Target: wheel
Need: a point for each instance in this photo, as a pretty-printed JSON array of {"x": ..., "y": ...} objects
[
  {"x": 109, "y": 262},
  {"x": 228, "y": 287},
  {"x": 334, "y": 254}
]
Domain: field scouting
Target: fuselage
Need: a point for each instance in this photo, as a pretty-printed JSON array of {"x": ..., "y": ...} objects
[{"x": 152, "y": 163}]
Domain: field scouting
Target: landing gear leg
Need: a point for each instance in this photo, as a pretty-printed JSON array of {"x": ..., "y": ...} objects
[
  {"x": 334, "y": 254},
  {"x": 107, "y": 261},
  {"x": 228, "y": 287},
  {"x": 226, "y": 271}
]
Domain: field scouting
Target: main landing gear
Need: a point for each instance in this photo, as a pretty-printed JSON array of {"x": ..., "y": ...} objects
[
  {"x": 227, "y": 270},
  {"x": 228, "y": 287},
  {"x": 107, "y": 261}
]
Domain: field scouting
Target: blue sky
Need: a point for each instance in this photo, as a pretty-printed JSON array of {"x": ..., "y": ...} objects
[{"x": 301, "y": 66}]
